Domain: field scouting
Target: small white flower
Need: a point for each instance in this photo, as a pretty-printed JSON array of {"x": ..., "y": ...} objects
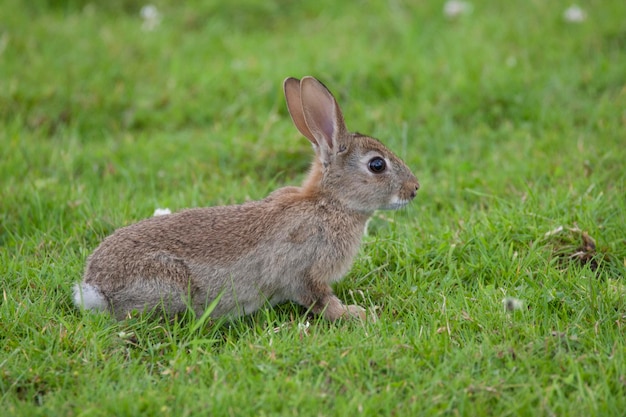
[
  {"x": 151, "y": 17},
  {"x": 455, "y": 8},
  {"x": 304, "y": 326},
  {"x": 574, "y": 14},
  {"x": 512, "y": 304},
  {"x": 161, "y": 212},
  {"x": 279, "y": 328},
  {"x": 554, "y": 231},
  {"x": 124, "y": 335}
]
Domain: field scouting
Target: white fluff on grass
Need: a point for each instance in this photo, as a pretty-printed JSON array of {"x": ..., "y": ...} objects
[
  {"x": 88, "y": 297},
  {"x": 512, "y": 304},
  {"x": 161, "y": 212},
  {"x": 456, "y": 8},
  {"x": 150, "y": 16},
  {"x": 574, "y": 14}
]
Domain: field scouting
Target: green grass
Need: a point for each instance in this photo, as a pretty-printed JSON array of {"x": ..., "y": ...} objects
[{"x": 513, "y": 119}]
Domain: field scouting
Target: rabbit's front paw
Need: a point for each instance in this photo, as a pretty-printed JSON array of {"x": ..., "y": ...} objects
[
  {"x": 335, "y": 309},
  {"x": 355, "y": 311},
  {"x": 360, "y": 313}
]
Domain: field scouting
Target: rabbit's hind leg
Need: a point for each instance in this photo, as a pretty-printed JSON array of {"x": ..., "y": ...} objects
[{"x": 163, "y": 284}]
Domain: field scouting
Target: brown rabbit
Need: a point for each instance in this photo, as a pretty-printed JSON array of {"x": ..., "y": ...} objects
[{"x": 289, "y": 246}]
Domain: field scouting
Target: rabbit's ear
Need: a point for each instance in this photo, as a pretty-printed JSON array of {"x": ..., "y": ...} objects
[
  {"x": 322, "y": 115},
  {"x": 291, "y": 86}
]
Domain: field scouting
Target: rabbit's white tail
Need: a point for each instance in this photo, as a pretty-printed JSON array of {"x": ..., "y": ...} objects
[{"x": 89, "y": 297}]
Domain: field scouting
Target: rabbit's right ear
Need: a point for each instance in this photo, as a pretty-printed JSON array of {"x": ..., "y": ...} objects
[
  {"x": 323, "y": 117},
  {"x": 291, "y": 86},
  {"x": 317, "y": 116}
]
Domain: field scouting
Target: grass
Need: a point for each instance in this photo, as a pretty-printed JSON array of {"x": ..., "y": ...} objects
[{"x": 512, "y": 118}]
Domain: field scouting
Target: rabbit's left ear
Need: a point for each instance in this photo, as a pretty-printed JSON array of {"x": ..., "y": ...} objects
[
  {"x": 291, "y": 86},
  {"x": 322, "y": 116}
]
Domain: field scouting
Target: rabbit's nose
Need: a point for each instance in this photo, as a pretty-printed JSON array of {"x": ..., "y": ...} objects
[{"x": 416, "y": 187}]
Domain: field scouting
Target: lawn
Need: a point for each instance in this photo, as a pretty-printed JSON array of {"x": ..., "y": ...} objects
[{"x": 499, "y": 291}]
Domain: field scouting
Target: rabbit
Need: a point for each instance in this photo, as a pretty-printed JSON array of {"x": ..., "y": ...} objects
[{"x": 290, "y": 246}]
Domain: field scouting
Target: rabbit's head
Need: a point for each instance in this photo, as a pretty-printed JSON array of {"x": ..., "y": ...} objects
[{"x": 356, "y": 170}]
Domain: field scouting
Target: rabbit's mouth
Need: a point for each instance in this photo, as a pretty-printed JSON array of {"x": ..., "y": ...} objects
[{"x": 396, "y": 204}]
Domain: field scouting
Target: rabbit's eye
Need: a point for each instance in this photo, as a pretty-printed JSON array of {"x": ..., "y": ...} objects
[{"x": 377, "y": 165}]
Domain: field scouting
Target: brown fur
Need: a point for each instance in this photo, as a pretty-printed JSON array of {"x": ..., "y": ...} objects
[{"x": 289, "y": 246}]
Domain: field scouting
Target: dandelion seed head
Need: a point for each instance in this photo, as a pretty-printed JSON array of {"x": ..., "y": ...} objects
[
  {"x": 455, "y": 8},
  {"x": 574, "y": 14},
  {"x": 150, "y": 16},
  {"x": 149, "y": 11}
]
